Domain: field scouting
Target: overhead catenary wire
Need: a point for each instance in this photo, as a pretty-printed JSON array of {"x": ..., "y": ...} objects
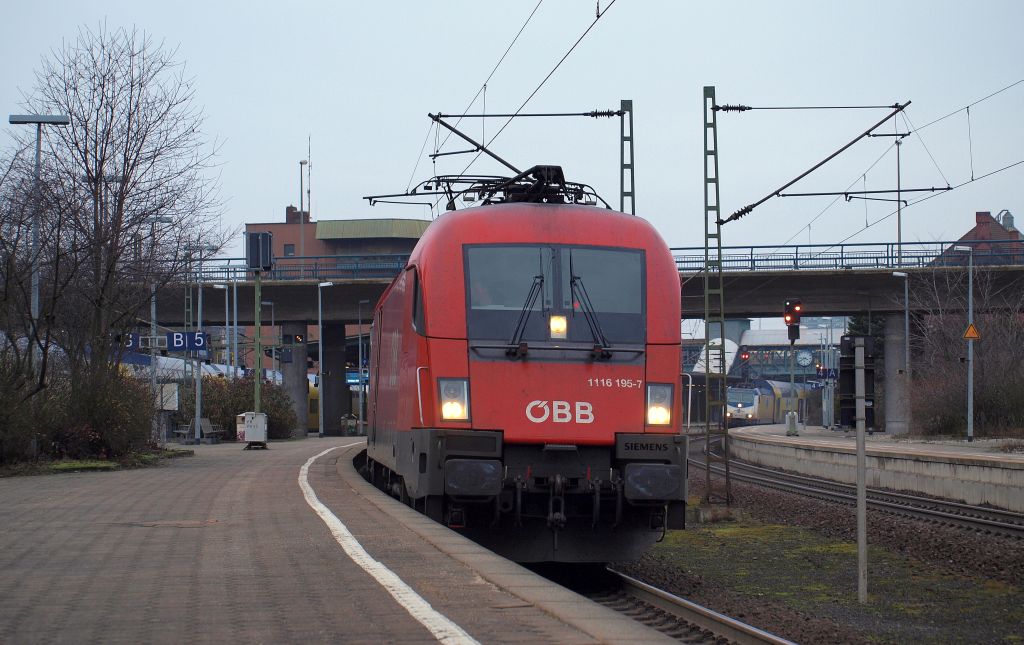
[
  {"x": 896, "y": 109},
  {"x": 970, "y": 140},
  {"x": 867, "y": 226},
  {"x": 926, "y": 198},
  {"x": 969, "y": 105},
  {"x": 483, "y": 87},
  {"x": 543, "y": 82},
  {"x": 600, "y": 14},
  {"x": 914, "y": 131}
]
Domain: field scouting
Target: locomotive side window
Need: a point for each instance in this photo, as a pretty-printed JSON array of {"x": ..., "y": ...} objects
[
  {"x": 503, "y": 282},
  {"x": 417, "y": 304}
]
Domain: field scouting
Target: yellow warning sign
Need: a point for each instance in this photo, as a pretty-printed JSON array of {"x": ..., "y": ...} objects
[{"x": 972, "y": 333}]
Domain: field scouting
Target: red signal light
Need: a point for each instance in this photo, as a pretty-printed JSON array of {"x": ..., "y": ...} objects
[
  {"x": 745, "y": 355},
  {"x": 792, "y": 312}
]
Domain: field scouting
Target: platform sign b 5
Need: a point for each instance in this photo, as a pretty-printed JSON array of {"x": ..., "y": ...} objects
[{"x": 180, "y": 341}]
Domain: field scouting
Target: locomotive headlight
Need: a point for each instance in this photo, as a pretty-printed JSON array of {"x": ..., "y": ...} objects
[
  {"x": 559, "y": 325},
  {"x": 659, "y": 404},
  {"x": 454, "y": 398}
]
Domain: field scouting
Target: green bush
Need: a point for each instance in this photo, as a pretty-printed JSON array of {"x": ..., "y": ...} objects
[
  {"x": 224, "y": 399},
  {"x": 101, "y": 414}
]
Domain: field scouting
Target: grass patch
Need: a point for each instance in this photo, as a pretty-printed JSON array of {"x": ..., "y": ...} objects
[
  {"x": 82, "y": 465},
  {"x": 806, "y": 572},
  {"x": 141, "y": 459}
]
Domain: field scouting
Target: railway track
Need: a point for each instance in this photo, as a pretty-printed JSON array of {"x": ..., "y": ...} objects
[
  {"x": 977, "y": 518},
  {"x": 675, "y": 616}
]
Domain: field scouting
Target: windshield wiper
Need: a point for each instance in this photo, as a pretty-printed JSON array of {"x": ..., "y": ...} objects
[
  {"x": 579, "y": 293},
  {"x": 516, "y": 346}
]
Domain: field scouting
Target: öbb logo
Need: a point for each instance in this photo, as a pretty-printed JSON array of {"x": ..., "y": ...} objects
[{"x": 559, "y": 411}]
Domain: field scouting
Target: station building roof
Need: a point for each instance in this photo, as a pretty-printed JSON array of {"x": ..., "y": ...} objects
[{"x": 370, "y": 228}]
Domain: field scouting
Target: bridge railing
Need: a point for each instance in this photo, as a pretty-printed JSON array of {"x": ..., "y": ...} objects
[
  {"x": 318, "y": 267},
  {"x": 809, "y": 257}
]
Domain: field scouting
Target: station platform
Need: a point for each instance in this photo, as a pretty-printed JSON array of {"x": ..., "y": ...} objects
[
  {"x": 978, "y": 472},
  {"x": 229, "y": 545}
]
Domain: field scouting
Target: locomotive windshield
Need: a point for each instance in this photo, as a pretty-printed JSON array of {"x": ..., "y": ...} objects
[
  {"x": 499, "y": 280},
  {"x": 739, "y": 396}
]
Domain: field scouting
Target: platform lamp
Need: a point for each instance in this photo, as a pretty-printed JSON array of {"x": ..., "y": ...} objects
[
  {"x": 39, "y": 120},
  {"x": 970, "y": 341},
  {"x": 153, "y": 221},
  {"x": 359, "y": 369},
  {"x": 320, "y": 345},
  {"x": 227, "y": 325}
]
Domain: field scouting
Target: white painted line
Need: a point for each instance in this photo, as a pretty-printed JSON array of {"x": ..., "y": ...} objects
[{"x": 439, "y": 625}]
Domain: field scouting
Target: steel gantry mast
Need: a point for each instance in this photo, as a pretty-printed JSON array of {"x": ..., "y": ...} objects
[
  {"x": 627, "y": 187},
  {"x": 716, "y": 426}
]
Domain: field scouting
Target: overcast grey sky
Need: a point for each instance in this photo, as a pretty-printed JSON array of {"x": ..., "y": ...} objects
[{"x": 360, "y": 77}]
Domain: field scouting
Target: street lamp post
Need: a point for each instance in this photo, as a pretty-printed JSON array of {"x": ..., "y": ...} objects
[
  {"x": 302, "y": 215},
  {"x": 39, "y": 120},
  {"x": 359, "y": 369},
  {"x": 234, "y": 331},
  {"x": 227, "y": 323},
  {"x": 199, "y": 330},
  {"x": 320, "y": 343},
  {"x": 970, "y": 341},
  {"x": 273, "y": 330},
  {"x": 153, "y": 221}
]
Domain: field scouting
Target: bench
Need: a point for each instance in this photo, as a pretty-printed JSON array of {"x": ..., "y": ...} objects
[{"x": 211, "y": 432}]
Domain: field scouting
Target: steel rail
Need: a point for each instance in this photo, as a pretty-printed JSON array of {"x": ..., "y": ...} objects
[
  {"x": 720, "y": 625},
  {"x": 966, "y": 515},
  {"x": 948, "y": 506}
]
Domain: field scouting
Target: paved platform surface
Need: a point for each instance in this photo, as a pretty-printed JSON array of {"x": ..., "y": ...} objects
[
  {"x": 980, "y": 449},
  {"x": 222, "y": 547}
]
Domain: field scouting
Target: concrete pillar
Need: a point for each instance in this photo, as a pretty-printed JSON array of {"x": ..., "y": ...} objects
[
  {"x": 337, "y": 398},
  {"x": 897, "y": 401},
  {"x": 293, "y": 374}
]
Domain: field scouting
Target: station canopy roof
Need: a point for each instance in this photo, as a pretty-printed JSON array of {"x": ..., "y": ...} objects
[{"x": 339, "y": 229}]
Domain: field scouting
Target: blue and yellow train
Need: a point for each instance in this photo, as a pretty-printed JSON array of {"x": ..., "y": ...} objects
[{"x": 765, "y": 402}]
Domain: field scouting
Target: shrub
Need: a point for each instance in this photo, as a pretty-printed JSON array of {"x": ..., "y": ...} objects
[{"x": 224, "y": 399}]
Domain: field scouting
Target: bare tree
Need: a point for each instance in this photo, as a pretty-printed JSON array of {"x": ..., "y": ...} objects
[
  {"x": 127, "y": 193},
  {"x": 132, "y": 182},
  {"x": 940, "y": 366}
]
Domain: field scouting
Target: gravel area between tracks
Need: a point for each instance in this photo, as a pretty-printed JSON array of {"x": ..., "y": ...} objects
[{"x": 787, "y": 564}]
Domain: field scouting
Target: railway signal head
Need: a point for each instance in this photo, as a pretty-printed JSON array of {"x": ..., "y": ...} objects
[
  {"x": 745, "y": 356},
  {"x": 792, "y": 311}
]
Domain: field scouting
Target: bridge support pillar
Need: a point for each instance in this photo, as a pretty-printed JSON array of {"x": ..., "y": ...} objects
[
  {"x": 897, "y": 381},
  {"x": 334, "y": 389},
  {"x": 293, "y": 374}
]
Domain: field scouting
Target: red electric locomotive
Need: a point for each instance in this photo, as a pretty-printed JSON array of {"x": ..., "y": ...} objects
[{"x": 523, "y": 377}]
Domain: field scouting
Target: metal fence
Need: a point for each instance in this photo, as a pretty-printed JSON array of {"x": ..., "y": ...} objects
[
  {"x": 809, "y": 257},
  {"x": 801, "y": 257},
  {"x": 312, "y": 268}
]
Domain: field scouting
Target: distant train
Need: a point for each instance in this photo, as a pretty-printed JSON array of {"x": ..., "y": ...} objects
[{"x": 766, "y": 402}]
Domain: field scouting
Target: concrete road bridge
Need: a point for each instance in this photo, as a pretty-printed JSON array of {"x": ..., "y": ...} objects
[{"x": 831, "y": 280}]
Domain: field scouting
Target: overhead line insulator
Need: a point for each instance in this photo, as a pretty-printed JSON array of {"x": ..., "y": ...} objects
[{"x": 732, "y": 108}]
